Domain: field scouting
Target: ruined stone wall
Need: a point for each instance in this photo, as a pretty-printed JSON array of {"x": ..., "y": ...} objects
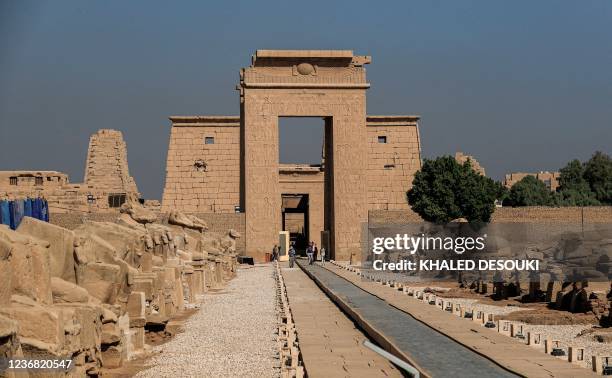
[
  {"x": 51, "y": 185},
  {"x": 541, "y": 214},
  {"x": 594, "y": 214},
  {"x": 30, "y": 181},
  {"x": 72, "y": 220},
  {"x": 203, "y": 165},
  {"x": 106, "y": 174},
  {"x": 394, "y": 155},
  {"x": 107, "y": 165},
  {"x": 383, "y": 217},
  {"x": 461, "y": 158}
]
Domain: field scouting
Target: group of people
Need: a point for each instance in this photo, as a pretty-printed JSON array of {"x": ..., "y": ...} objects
[{"x": 311, "y": 252}]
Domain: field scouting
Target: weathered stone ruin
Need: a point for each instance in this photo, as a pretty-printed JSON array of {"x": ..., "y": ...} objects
[
  {"x": 461, "y": 158},
  {"x": 107, "y": 181},
  {"x": 107, "y": 165},
  {"x": 90, "y": 294}
]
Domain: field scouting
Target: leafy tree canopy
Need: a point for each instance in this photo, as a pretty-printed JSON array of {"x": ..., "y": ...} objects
[
  {"x": 598, "y": 174},
  {"x": 529, "y": 191},
  {"x": 571, "y": 177},
  {"x": 444, "y": 190}
]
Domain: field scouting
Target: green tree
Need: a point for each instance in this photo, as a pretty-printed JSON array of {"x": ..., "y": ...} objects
[
  {"x": 571, "y": 176},
  {"x": 529, "y": 191},
  {"x": 574, "y": 190},
  {"x": 598, "y": 174},
  {"x": 573, "y": 197},
  {"x": 444, "y": 190}
]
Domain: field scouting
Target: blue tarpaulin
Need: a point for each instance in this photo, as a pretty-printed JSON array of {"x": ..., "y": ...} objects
[
  {"x": 5, "y": 213},
  {"x": 12, "y": 212}
]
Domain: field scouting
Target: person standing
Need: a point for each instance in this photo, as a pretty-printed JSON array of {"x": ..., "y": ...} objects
[
  {"x": 315, "y": 252},
  {"x": 322, "y": 255},
  {"x": 275, "y": 252},
  {"x": 309, "y": 253},
  {"x": 291, "y": 254}
]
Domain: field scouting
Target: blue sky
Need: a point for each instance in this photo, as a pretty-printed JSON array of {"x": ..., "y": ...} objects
[{"x": 522, "y": 85}]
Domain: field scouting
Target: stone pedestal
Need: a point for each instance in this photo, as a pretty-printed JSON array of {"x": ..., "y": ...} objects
[
  {"x": 136, "y": 304},
  {"x": 575, "y": 354},
  {"x": 597, "y": 364},
  {"x": 552, "y": 289}
]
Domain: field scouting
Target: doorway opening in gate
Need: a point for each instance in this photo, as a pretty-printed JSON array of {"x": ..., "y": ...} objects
[
  {"x": 295, "y": 219},
  {"x": 305, "y": 179}
]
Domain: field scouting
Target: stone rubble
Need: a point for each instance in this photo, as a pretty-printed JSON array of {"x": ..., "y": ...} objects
[{"x": 90, "y": 294}]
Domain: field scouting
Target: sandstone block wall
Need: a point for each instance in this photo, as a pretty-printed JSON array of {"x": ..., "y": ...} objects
[
  {"x": 31, "y": 181},
  {"x": 72, "y": 220},
  {"x": 213, "y": 185},
  {"x": 394, "y": 155},
  {"x": 310, "y": 83},
  {"x": 201, "y": 177},
  {"x": 550, "y": 179},
  {"x": 539, "y": 214},
  {"x": 107, "y": 164},
  {"x": 242, "y": 167},
  {"x": 388, "y": 217},
  {"x": 461, "y": 158},
  {"x": 592, "y": 214},
  {"x": 345, "y": 108}
]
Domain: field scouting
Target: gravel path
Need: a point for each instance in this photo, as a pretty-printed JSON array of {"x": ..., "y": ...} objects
[{"x": 232, "y": 335}]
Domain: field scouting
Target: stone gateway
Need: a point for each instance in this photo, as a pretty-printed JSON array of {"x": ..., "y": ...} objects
[{"x": 228, "y": 164}]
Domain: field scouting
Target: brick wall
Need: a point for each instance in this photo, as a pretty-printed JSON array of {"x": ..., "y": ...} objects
[
  {"x": 201, "y": 177},
  {"x": 392, "y": 160}
]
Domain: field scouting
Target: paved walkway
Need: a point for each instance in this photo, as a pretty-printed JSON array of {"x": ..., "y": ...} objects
[
  {"x": 422, "y": 321},
  {"x": 330, "y": 344},
  {"x": 433, "y": 353}
]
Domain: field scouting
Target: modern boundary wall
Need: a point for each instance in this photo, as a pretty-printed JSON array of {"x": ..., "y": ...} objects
[{"x": 538, "y": 214}]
